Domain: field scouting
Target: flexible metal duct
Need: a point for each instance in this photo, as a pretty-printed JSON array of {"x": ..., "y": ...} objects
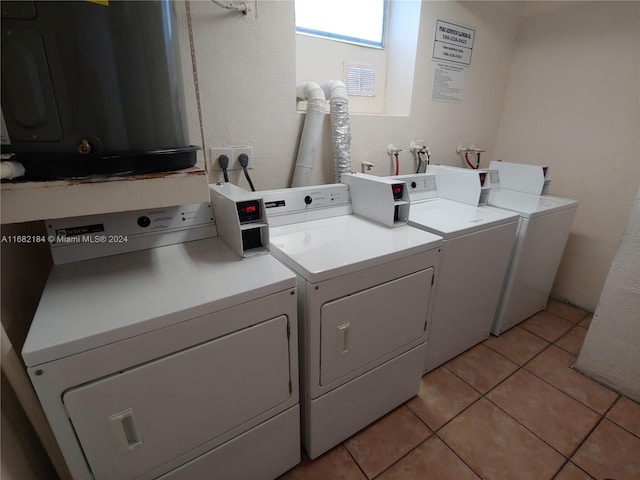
[{"x": 336, "y": 91}]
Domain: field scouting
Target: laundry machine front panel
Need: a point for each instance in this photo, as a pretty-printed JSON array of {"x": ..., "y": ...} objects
[
  {"x": 541, "y": 242},
  {"x": 276, "y": 443},
  {"x": 472, "y": 274},
  {"x": 334, "y": 417},
  {"x": 52, "y": 379},
  {"x": 318, "y": 295},
  {"x": 135, "y": 420},
  {"x": 358, "y": 329}
]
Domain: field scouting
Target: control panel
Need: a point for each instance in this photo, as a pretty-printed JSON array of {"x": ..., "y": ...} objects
[
  {"x": 241, "y": 219},
  {"x": 462, "y": 184},
  {"x": 485, "y": 186},
  {"x": 292, "y": 205},
  {"x": 94, "y": 236},
  {"x": 384, "y": 200},
  {"x": 419, "y": 186},
  {"x": 534, "y": 179}
]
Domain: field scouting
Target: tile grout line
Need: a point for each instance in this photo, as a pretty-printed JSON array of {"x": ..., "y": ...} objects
[
  {"x": 637, "y": 435},
  {"x": 503, "y": 411},
  {"x": 484, "y": 395},
  {"x": 343, "y": 444},
  {"x": 435, "y": 432},
  {"x": 456, "y": 453},
  {"x": 602, "y": 418}
]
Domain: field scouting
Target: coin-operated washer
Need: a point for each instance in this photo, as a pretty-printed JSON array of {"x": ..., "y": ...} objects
[
  {"x": 158, "y": 352},
  {"x": 543, "y": 231},
  {"x": 478, "y": 241},
  {"x": 364, "y": 306}
]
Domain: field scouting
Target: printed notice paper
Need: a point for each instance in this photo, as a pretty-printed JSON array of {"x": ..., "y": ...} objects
[{"x": 448, "y": 82}]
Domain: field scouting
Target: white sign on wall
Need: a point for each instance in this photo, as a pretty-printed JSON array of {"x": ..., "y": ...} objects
[{"x": 453, "y": 43}]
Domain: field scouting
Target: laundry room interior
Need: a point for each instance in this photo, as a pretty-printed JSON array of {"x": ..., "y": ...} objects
[{"x": 554, "y": 84}]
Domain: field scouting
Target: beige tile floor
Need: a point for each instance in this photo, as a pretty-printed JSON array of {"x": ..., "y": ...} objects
[{"x": 509, "y": 408}]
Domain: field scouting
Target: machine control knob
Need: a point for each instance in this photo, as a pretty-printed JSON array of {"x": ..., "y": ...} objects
[
  {"x": 144, "y": 221},
  {"x": 308, "y": 200}
]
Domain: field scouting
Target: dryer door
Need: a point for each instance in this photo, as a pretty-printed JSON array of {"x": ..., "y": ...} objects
[
  {"x": 138, "y": 419},
  {"x": 364, "y": 329}
]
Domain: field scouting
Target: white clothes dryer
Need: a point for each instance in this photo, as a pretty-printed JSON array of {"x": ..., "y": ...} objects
[
  {"x": 365, "y": 294},
  {"x": 158, "y": 352},
  {"x": 478, "y": 241}
]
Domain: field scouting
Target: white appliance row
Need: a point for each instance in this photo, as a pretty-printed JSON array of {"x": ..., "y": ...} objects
[
  {"x": 544, "y": 223},
  {"x": 498, "y": 261},
  {"x": 167, "y": 344}
]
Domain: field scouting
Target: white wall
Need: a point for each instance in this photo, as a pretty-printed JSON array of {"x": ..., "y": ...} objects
[
  {"x": 246, "y": 74},
  {"x": 246, "y": 70},
  {"x": 573, "y": 103},
  {"x": 610, "y": 351}
]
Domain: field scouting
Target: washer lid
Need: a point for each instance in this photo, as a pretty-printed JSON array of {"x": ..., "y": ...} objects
[
  {"x": 322, "y": 249},
  {"x": 452, "y": 219},
  {"x": 95, "y": 302},
  {"x": 528, "y": 205}
]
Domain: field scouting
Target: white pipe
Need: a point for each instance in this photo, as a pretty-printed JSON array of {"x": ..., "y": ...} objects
[
  {"x": 311, "y": 131},
  {"x": 335, "y": 91},
  {"x": 9, "y": 169}
]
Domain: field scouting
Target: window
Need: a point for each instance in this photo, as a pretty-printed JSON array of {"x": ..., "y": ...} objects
[{"x": 354, "y": 21}]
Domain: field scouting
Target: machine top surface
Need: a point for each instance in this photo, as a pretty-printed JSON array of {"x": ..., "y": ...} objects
[
  {"x": 94, "y": 302},
  {"x": 451, "y": 219},
  {"x": 326, "y": 248},
  {"x": 528, "y": 205}
]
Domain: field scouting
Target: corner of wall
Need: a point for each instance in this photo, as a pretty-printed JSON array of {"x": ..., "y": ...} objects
[{"x": 610, "y": 351}]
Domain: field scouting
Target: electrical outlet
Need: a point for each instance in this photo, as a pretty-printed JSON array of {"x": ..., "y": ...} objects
[
  {"x": 214, "y": 153},
  {"x": 234, "y": 164},
  {"x": 233, "y": 153}
]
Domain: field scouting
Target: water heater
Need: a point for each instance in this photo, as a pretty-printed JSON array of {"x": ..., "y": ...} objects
[{"x": 93, "y": 88}]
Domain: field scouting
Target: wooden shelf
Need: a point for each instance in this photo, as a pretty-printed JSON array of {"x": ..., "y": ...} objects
[{"x": 28, "y": 201}]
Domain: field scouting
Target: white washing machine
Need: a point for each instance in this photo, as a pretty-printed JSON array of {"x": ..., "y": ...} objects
[
  {"x": 543, "y": 230},
  {"x": 175, "y": 361},
  {"x": 478, "y": 241},
  {"x": 365, "y": 294}
]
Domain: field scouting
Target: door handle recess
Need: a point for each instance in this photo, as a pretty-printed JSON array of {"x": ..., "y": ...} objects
[
  {"x": 125, "y": 430},
  {"x": 342, "y": 337}
]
